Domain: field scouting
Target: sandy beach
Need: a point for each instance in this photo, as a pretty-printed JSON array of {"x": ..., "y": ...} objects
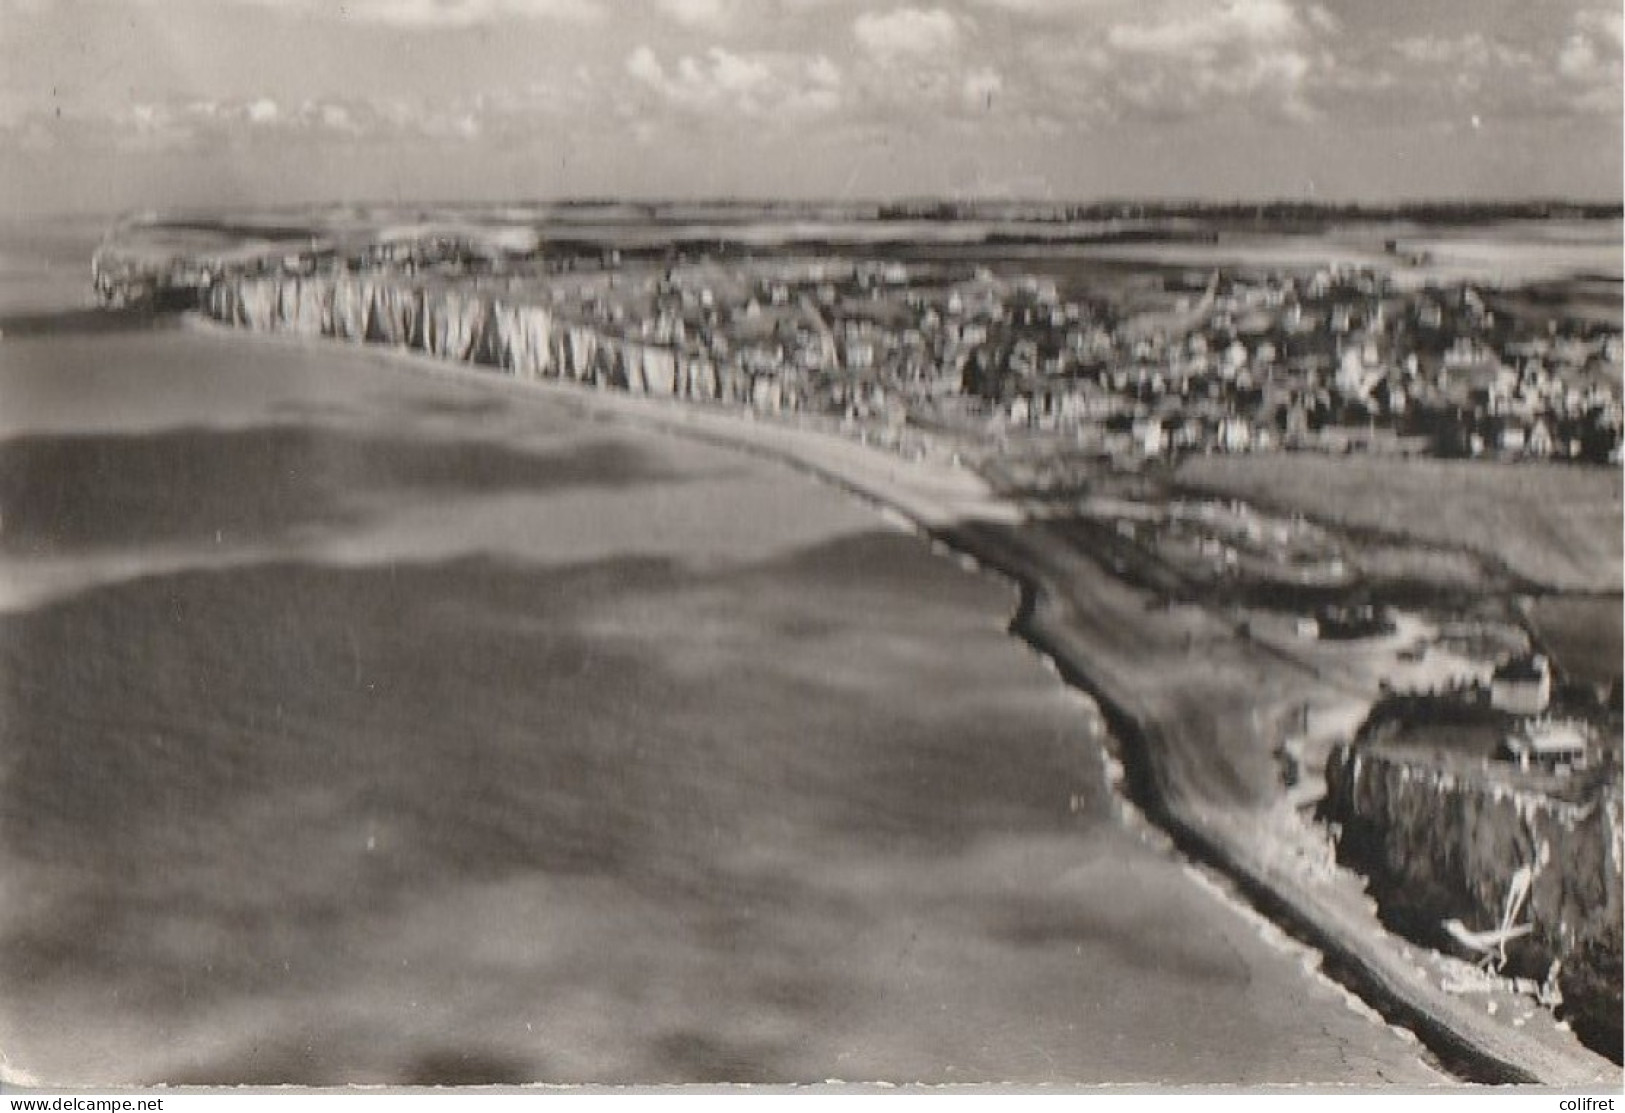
[
  {"x": 492, "y": 742},
  {"x": 1184, "y": 694}
]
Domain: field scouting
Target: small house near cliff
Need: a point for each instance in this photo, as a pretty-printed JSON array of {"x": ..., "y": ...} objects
[
  {"x": 1549, "y": 745},
  {"x": 1352, "y": 623},
  {"x": 1522, "y": 686}
]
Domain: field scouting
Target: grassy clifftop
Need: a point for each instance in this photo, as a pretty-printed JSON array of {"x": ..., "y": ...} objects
[{"x": 1557, "y": 526}]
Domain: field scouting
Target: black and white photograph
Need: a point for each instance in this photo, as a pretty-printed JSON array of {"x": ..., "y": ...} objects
[{"x": 811, "y": 546}]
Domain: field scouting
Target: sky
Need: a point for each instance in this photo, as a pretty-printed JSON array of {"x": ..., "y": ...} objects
[{"x": 112, "y": 105}]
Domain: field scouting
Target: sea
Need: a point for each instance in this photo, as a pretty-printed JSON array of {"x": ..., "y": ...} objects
[{"x": 361, "y": 725}]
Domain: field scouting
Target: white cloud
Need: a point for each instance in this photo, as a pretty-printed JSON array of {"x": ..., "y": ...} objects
[
  {"x": 1167, "y": 59},
  {"x": 1321, "y": 19},
  {"x": 1183, "y": 28},
  {"x": 1471, "y": 51},
  {"x": 1590, "y": 62},
  {"x": 196, "y": 123},
  {"x": 1080, "y": 61},
  {"x": 1577, "y": 71},
  {"x": 821, "y": 71},
  {"x": 907, "y": 32},
  {"x": 438, "y": 14},
  {"x": 727, "y": 73},
  {"x": 695, "y": 13},
  {"x": 263, "y": 111},
  {"x": 911, "y": 64},
  {"x": 750, "y": 84},
  {"x": 643, "y": 65},
  {"x": 1036, "y": 7},
  {"x": 1578, "y": 58},
  {"x": 982, "y": 86},
  {"x": 335, "y": 117},
  {"x": 1603, "y": 22}
]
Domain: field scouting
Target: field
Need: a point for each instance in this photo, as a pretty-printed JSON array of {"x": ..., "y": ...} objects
[
  {"x": 1518, "y": 252},
  {"x": 1556, "y": 526},
  {"x": 1503, "y": 254},
  {"x": 1594, "y": 299},
  {"x": 1583, "y": 635}
]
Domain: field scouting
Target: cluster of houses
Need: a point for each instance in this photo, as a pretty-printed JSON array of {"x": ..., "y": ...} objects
[
  {"x": 1523, "y": 718},
  {"x": 1337, "y": 360},
  {"x": 1521, "y": 687}
]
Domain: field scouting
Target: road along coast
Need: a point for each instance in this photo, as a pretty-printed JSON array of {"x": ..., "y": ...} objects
[{"x": 1181, "y": 691}]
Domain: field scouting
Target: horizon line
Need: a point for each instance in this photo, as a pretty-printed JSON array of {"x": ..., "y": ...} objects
[{"x": 1612, "y": 207}]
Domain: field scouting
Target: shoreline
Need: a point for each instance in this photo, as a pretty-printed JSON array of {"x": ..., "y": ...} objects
[{"x": 957, "y": 508}]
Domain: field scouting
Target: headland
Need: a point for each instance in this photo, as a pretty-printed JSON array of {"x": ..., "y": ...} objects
[{"x": 1224, "y": 709}]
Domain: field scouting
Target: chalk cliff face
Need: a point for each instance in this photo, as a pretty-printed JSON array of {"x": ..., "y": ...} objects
[
  {"x": 487, "y": 328},
  {"x": 1438, "y": 846}
]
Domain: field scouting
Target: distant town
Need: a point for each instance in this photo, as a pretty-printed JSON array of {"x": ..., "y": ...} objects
[{"x": 1331, "y": 358}]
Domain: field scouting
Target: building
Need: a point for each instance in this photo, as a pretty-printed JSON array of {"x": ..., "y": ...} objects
[
  {"x": 1351, "y": 623},
  {"x": 1522, "y": 686},
  {"x": 1150, "y": 437},
  {"x": 1549, "y": 745},
  {"x": 1540, "y": 441}
]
